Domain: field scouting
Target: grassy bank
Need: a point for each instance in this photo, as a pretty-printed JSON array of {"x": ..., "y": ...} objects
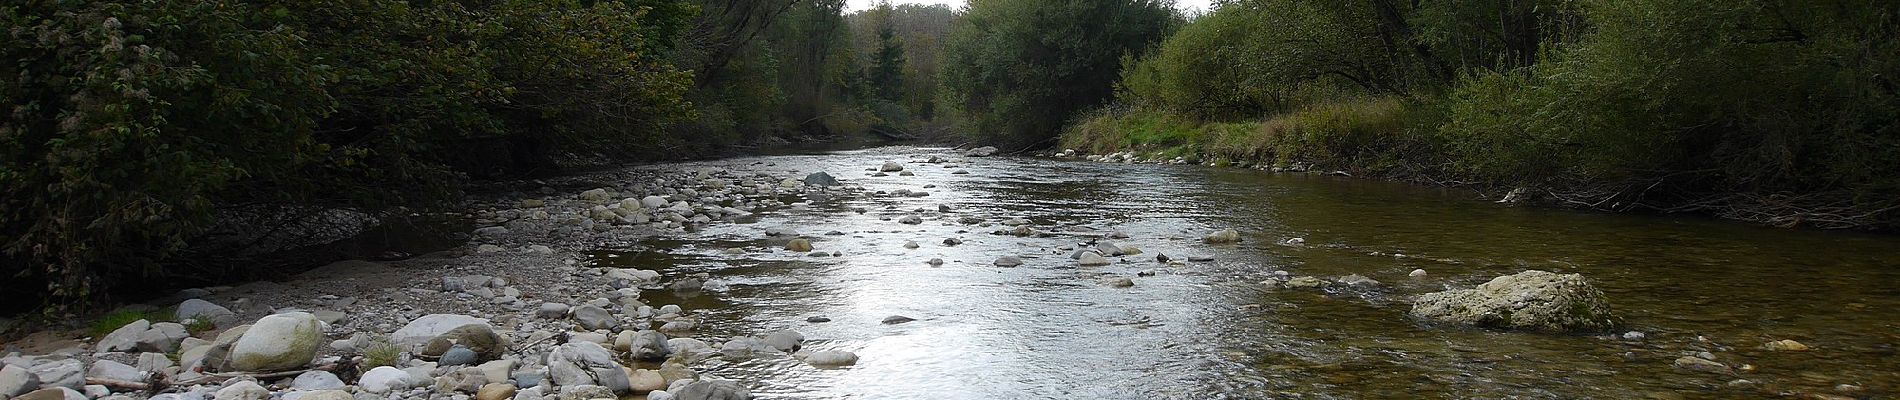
[
  {"x": 1374, "y": 137},
  {"x": 1413, "y": 140}
]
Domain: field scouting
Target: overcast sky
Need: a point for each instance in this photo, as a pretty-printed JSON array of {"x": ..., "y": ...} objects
[{"x": 855, "y": 5}]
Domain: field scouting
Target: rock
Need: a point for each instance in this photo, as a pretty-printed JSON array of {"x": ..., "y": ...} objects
[
  {"x": 596, "y": 195},
  {"x": 935, "y": 262},
  {"x": 818, "y": 319},
  {"x": 200, "y": 309},
  {"x": 786, "y": 341},
  {"x": 910, "y": 220},
  {"x": 457, "y": 355},
  {"x": 163, "y": 337},
  {"x": 644, "y": 380},
  {"x": 712, "y": 390},
  {"x": 316, "y": 380},
  {"x": 384, "y": 379},
  {"x": 58, "y": 393},
  {"x": 16, "y": 380},
  {"x": 1118, "y": 281},
  {"x": 653, "y": 202},
  {"x": 1009, "y": 262},
  {"x": 320, "y": 395},
  {"x": 1225, "y": 236},
  {"x": 1305, "y": 282},
  {"x": 126, "y": 338},
  {"x": 242, "y": 390},
  {"x": 952, "y": 242},
  {"x": 114, "y": 370},
  {"x": 890, "y": 166},
  {"x": 1108, "y": 249},
  {"x": 798, "y": 245},
  {"x": 465, "y": 380},
  {"x": 1091, "y": 259},
  {"x": 593, "y": 318},
  {"x": 1162, "y": 258},
  {"x": 551, "y": 310},
  {"x": 587, "y": 392},
  {"x": 497, "y": 371},
  {"x": 820, "y": 179},
  {"x": 831, "y": 358},
  {"x": 67, "y": 373},
  {"x": 575, "y": 363},
  {"x": 277, "y": 342},
  {"x": 897, "y": 319},
  {"x": 1700, "y": 364},
  {"x": 430, "y": 326},
  {"x": 910, "y": 244},
  {"x": 495, "y": 391},
  {"x": 1531, "y": 300},
  {"x": 649, "y": 346},
  {"x": 984, "y": 151},
  {"x": 1357, "y": 280},
  {"x": 1417, "y": 273},
  {"x": 745, "y": 346},
  {"x": 1784, "y": 345}
]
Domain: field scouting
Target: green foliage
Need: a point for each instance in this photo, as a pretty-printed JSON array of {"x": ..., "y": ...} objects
[
  {"x": 887, "y": 61},
  {"x": 380, "y": 353},
  {"x": 1017, "y": 70},
  {"x": 114, "y": 320},
  {"x": 1363, "y": 135},
  {"x": 131, "y": 125}
]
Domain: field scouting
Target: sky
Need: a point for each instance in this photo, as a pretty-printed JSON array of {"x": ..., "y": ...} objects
[{"x": 854, "y": 5}]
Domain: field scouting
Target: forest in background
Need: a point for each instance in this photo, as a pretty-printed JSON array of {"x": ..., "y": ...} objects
[
  {"x": 168, "y": 141},
  {"x": 150, "y": 140}
]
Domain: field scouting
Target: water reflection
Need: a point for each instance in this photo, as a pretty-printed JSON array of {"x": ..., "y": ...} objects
[{"x": 1206, "y": 330}]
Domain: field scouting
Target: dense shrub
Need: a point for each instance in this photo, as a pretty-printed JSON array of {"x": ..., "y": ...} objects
[
  {"x": 131, "y": 125},
  {"x": 1018, "y": 70}
]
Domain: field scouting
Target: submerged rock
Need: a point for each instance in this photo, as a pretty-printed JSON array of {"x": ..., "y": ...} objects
[
  {"x": 984, "y": 151},
  {"x": 820, "y": 179},
  {"x": 798, "y": 245},
  {"x": 1530, "y": 300},
  {"x": 890, "y": 166},
  {"x": 1225, "y": 236}
]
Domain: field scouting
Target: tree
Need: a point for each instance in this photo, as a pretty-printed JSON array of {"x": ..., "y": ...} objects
[
  {"x": 1017, "y": 70},
  {"x": 887, "y": 70}
]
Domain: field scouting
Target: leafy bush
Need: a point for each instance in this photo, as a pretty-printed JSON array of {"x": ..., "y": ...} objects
[
  {"x": 131, "y": 125},
  {"x": 1018, "y": 70}
]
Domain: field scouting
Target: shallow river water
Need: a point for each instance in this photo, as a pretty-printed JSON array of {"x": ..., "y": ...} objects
[{"x": 1208, "y": 330}]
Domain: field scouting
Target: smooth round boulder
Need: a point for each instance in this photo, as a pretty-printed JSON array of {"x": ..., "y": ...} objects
[
  {"x": 384, "y": 379},
  {"x": 276, "y": 343}
]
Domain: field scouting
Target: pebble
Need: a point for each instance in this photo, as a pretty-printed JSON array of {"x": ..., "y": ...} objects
[
  {"x": 1009, "y": 262},
  {"x": 897, "y": 319}
]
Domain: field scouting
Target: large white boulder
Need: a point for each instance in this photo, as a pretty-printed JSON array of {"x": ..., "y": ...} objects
[
  {"x": 1531, "y": 300},
  {"x": 277, "y": 342}
]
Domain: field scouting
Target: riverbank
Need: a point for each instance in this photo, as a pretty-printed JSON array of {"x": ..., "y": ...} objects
[
  {"x": 926, "y": 273},
  {"x": 1404, "y": 140}
]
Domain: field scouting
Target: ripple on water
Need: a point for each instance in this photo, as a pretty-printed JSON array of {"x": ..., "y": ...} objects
[{"x": 1206, "y": 330}]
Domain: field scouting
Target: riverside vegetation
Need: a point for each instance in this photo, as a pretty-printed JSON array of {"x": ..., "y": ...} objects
[{"x": 153, "y": 146}]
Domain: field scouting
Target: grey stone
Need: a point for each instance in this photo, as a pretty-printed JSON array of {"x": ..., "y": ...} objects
[
  {"x": 316, "y": 380},
  {"x": 68, "y": 373},
  {"x": 126, "y": 338},
  {"x": 242, "y": 390},
  {"x": 429, "y": 326},
  {"x": 897, "y": 319},
  {"x": 200, "y": 309},
  {"x": 114, "y": 370},
  {"x": 278, "y": 342},
  {"x": 831, "y": 358},
  {"x": 1530, "y": 300},
  {"x": 551, "y": 310},
  {"x": 1091, "y": 259},
  {"x": 591, "y": 318},
  {"x": 712, "y": 390},
  {"x": 786, "y": 341},
  {"x": 163, "y": 337},
  {"x": 384, "y": 379},
  {"x": 458, "y": 355},
  {"x": 16, "y": 380},
  {"x": 820, "y": 179},
  {"x": 1009, "y": 262},
  {"x": 1224, "y": 236},
  {"x": 649, "y": 346}
]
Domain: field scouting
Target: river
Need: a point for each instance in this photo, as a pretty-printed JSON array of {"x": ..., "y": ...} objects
[{"x": 1205, "y": 330}]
